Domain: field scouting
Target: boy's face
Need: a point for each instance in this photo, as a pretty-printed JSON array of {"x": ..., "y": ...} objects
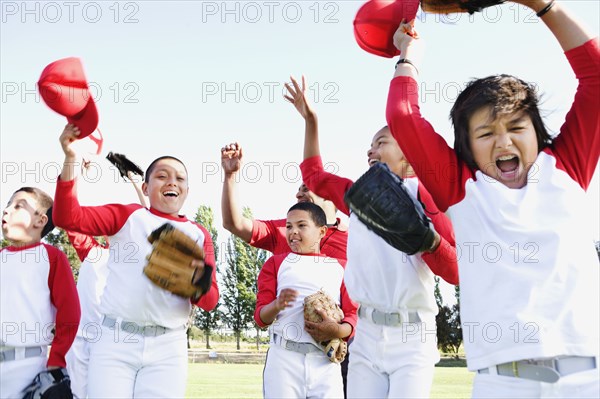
[
  {"x": 503, "y": 148},
  {"x": 384, "y": 148},
  {"x": 167, "y": 187},
  {"x": 303, "y": 235},
  {"x": 305, "y": 195},
  {"x": 22, "y": 221}
]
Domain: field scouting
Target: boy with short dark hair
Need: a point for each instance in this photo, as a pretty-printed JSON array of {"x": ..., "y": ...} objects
[
  {"x": 142, "y": 350},
  {"x": 508, "y": 185},
  {"x": 296, "y": 367}
]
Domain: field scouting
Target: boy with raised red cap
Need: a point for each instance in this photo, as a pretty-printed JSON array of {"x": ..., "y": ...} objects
[
  {"x": 517, "y": 197},
  {"x": 142, "y": 350}
]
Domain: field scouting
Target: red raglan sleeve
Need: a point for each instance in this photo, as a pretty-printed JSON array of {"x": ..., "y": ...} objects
[
  {"x": 267, "y": 288},
  {"x": 266, "y": 235},
  {"x": 63, "y": 295},
  {"x": 209, "y": 300},
  {"x": 350, "y": 309},
  {"x": 68, "y": 214},
  {"x": 325, "y": 184},
  {"x": 435, "y": 163},
  {"x": 577, "y": 147},
  {"x": 443, "y": 261},
  {"x": 82, "y": 243}
]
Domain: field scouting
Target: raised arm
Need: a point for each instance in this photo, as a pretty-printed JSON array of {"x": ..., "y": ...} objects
[
  {"x": 568, "y": 31},
  {"x": 434, "y": 162},
  {"x": 297, "y": 96},
  {"x": 67, "y": 138},
  {"x": 138, "y": 189},
  {"x": 233, "y": 219},
  {"x": 577, "y": 147},
  {"x": 68, "y": 214},
  {"x": 324, "y": 184}
]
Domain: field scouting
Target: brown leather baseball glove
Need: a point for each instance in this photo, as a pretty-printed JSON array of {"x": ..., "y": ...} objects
[
  {"x": 170, "y": 263},
  {"x": 335, "y": 349}
]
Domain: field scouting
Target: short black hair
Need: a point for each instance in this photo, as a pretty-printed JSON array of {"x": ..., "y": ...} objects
[
  {"x": 45, "y": 203},
  {"x": 157, "y": 160},
  {"x": 504, "y": 94},
  {"x": 317, "y": 214}
]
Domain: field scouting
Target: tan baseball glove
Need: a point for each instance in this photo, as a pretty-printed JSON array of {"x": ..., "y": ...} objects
[
  {"x": 170, "y": 263},
  {"x": 336, "y": 348}
]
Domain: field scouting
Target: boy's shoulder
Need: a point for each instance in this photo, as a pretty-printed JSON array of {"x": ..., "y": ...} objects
[
  {"x": 54, "y": 251},
  {"x": 40, "y": 255},
  {"x": 34, "y": 246}
]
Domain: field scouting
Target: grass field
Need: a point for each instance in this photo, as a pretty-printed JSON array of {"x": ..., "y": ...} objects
[{"x": 214, "y": 380}]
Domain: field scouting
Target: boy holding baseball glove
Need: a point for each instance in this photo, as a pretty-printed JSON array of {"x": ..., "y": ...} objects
[
  {"x": 142, "y": 349},
  {"x": 303, "y": 360}
]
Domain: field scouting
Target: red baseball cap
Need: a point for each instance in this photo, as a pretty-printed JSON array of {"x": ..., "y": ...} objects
[
  {"x": 64, "y": 88},
  {"x": 377, "y": 21}
]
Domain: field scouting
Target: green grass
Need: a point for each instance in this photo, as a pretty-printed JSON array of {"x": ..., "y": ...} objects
[{"x": 213, "y": 380}]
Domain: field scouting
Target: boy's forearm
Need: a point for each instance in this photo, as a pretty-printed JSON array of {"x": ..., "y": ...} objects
[
  {"x": 233, "y": 219},
  {"x": 68, "y": 172},
  {"x": 311, "y": 137},
  {"x": 569, "y": 32},
  {"x": 269, "y": 313},
  {"x": 140, "y": 194},
  {"x": 345, "y": 330}
]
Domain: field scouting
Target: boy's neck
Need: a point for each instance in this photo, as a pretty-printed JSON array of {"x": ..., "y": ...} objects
[
  {"x": 308, "y": 253},
  {"x": 24, "y": 244},
  {"x": 176, "y": 217}
]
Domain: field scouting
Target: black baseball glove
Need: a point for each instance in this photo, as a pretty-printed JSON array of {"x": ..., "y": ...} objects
[
  {"x": 124, "y": 165},
  {"x": 381, "y": 201},
  {"x": 452, "y": 6},
  {"x": 50, "y": 384}
]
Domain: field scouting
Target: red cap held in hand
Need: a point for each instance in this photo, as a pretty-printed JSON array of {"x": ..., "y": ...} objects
[
  {"x": 377, "y": 21},
  {"x": 64, "y": 88}
]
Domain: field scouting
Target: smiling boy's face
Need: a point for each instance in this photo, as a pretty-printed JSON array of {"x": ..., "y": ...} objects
[
  {"x": 22, "y": 221},
  {"x": 303, "y": 235},
  {"x": 167, "y": 187},
  {"x": 384, "y": 148}
]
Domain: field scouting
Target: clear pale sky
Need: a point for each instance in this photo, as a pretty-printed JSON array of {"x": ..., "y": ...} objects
[{"x": 186, "y": 77}]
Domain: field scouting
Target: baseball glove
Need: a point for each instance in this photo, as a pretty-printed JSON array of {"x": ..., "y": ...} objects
[
  {"x": 381, "y": 201},
  {"x": 50, "y": 384},
  {"x": 335, "y": 349},
  {"x": 170, "y": 263},
  {"x": 452, "y": 6},
  {"x": 124, "y": 165}
]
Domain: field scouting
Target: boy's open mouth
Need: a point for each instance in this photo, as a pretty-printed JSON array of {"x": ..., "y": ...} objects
[
  {"x": 171, "y": 194},
  {"x": 508, "y": 163}
]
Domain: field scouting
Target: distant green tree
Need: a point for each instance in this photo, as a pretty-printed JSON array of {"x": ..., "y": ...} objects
[
  {"x": 449, "y": 331},
  {"x": 59, "y": 239},
  {"x": 239, "y": 284}
]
